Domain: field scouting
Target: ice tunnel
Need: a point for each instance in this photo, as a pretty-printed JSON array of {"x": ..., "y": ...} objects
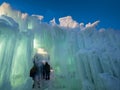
[{"x": 81, "y": 59}]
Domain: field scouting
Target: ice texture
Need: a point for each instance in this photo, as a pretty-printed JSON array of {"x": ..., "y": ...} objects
[{"x": 82, "y": 59}]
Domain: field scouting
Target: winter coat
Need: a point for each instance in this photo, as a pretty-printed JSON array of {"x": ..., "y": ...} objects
[{"x": 33, "y": 72}]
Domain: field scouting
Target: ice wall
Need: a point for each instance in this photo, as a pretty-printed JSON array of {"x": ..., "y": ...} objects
[
  {"x": 15, "y": 55},
  {"x": 82, "y": 57}
]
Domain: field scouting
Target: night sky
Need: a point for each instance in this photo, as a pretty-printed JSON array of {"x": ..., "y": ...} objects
[{"x": 107, "y": 11}]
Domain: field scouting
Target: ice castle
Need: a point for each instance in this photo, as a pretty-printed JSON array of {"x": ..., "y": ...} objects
[{"x": 82, "y": 57}]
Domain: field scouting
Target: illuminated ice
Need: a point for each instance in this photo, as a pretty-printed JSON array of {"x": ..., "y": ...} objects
[{"x": 82, "y": 57}]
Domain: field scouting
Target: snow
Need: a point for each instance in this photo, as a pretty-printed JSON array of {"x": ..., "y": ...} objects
[{"x": 82, "y": 58}]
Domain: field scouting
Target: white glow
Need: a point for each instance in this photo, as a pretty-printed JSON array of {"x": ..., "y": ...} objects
[
  {"x": 35, "y": 43},
  {"x": 41, "y": 51},
  {"x": 30, "y": 26}
]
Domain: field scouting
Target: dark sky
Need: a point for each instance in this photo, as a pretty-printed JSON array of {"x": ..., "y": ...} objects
[{"x": 107, "y": 11}]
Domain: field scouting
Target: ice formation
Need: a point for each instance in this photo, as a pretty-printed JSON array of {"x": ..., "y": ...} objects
[{"x": 82, "y": 57}]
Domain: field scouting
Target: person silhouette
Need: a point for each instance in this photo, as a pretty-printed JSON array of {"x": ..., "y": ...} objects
[
  {"x": 34, "y": 72},
  {"x": 47, "y": 71},
  {"x": 43, "y": 69}
]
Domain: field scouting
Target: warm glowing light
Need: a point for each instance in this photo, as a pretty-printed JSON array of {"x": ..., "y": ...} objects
[{"x": 41, "y": 51}]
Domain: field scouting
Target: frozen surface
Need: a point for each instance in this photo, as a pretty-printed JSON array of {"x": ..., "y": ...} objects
[{"x": 82, "y": 57}]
